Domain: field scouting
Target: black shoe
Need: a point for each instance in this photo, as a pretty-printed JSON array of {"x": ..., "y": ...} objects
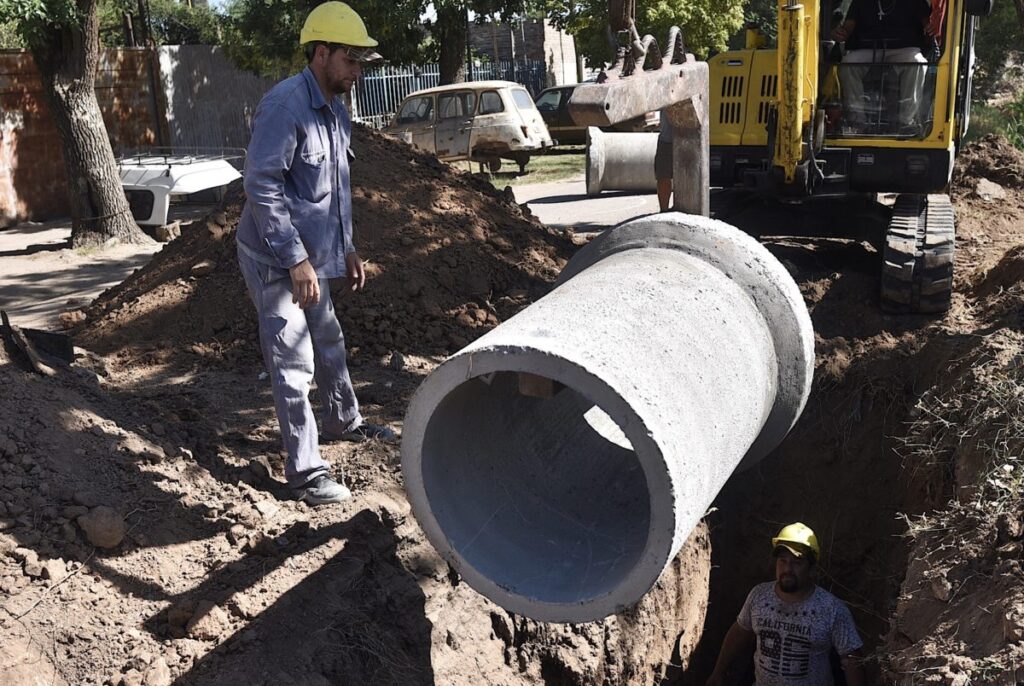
[
  {"x": 322, "y": 490},
  {"x": 366, "y": 431}
]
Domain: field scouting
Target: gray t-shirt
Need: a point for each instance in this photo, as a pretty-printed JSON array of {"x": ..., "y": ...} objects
[{"x": 793, "y": 639}]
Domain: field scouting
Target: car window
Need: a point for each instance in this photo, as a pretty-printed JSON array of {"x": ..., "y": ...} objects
[
  {"x": 548, "y": 101},
  {"x": 451, "y": 105},
  {"x": 417, "y": 110},
  {"x": 522, "y": 99},
  {"x": 490, "y": 102}
]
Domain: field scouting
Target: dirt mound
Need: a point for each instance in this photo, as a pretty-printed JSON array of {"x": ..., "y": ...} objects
[
  {"x": 448, "y": 257},
  {"x": 992, "y": 158},
  {"x": 960, "y": 614}
]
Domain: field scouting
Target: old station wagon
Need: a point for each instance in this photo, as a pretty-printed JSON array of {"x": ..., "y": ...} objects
[{"x": 483, "y": 121}]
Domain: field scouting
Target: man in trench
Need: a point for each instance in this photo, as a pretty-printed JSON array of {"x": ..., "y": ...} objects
[
  {"x": 791, "y": 624},
  {"x": 295, "y": 234}
]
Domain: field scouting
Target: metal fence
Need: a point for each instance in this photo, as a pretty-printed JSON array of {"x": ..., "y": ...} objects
[{"x": 381, "y": 90}]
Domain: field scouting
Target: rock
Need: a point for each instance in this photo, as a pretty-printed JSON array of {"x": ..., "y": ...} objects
[
  {"x": 132, "y": 677},
  {"x": 180, "y": 614},
  {"x": 500, "y": 242},
  {"x": 71, "y": 318},
  {"x": 1013, "y": 625},
  {"x": 54, "y": 570},
  {"x": 216, "y": 231},
  {"x": 463, "y": 319},
  {"x": 264, "y": 545},
  {"x": 220, "y": 219},
  {"x": 157, "y": 428},
  {"x": 104, "y": 527},
  {"x": 941, "y": 588},
  {"x": 22, "y": 554},
  {"x": 168, "y": 232},
  {"x": 1009, "y": 528},
  {"x": 158, "y": 674},
  {"x": 32, "y": 567},
  {"x": 989, "y": 190},
  {"x": 397, "y": 362},
  {"x": 204, "y": 268},
  {"x": 208, "y": 623},
  {"x": 267, "y": 508},
  {"x": 237, "y": 534},
  {"x": 260, "y": 466}
]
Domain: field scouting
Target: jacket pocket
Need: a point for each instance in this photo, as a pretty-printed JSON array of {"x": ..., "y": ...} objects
[{"x": 312, "y": 174}]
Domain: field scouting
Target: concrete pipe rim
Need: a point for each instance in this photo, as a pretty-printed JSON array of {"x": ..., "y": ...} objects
[
  {"x": 746, "y": 261},
  {"x": 659, "y": 546}
]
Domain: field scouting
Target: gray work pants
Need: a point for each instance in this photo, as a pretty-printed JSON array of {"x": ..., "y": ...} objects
[
  {"x": 298, "y": 344},
  {"x": 911, "y": 78}
]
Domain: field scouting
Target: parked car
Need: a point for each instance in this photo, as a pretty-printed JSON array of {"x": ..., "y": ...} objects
[
  {"x": 553, "y": 105},
  {"x": 483, "y": 121}
]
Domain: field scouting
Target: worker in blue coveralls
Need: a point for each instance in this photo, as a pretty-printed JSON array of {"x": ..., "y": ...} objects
[{"x": 295, "y": 234}]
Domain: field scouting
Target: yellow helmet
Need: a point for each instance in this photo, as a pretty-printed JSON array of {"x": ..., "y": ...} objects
[
  {"x": 798, "y": 539},
  {"x": 336, "y": 22}
]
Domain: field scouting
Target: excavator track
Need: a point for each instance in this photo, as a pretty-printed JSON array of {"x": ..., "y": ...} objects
[{"x": 917, "y": 268}]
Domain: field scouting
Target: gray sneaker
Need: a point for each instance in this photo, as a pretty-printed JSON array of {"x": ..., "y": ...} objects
[
  {"x": 366, "y": 431},
  {"x": 322, "y": 490}
]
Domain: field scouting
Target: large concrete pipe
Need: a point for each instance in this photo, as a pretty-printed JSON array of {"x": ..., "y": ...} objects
[
  {"x": 620, "y": 161},
  {"x": 559, "y": 462}
]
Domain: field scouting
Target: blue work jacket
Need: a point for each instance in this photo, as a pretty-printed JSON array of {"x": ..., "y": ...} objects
[{"x": 298, "y": 198}]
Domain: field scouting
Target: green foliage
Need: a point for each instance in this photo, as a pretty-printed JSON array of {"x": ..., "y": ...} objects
[
  {"x": 999, "y": 36},
  {"x": 1007, "y": 120},
  {"x": 262, "y": 36},
  {"x": 706, "y": 24},
  {"x": 30, "y": 19},
  {"x": 764, "y": 13},
  {"x": 171, "y": 22},
  {"x": 9, "y": 38}
]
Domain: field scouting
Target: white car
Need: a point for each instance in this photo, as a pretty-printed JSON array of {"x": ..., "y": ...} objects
[
  {"x": 152, "y": 177},
  {"x": 483, "y": 121}
]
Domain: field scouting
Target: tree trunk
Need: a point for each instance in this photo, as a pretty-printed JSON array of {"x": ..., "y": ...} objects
[
  {"x": 68, "y": 59},
  {"x": 452, "y": 35},
  {"x": 1019, "y": 4}
]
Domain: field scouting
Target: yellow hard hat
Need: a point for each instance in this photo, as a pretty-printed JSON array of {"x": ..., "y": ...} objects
[
  {"x": 798, "y": 539},
  {"x": 336, "y": 22}
]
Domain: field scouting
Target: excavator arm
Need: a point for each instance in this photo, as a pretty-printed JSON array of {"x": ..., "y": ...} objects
[{"x": 798, "y": 90}]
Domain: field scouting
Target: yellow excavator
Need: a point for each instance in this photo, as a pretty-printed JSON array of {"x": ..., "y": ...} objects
[{"x": 795, "y": 154}]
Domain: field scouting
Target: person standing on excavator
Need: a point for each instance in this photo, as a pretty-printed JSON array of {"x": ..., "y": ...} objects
[
  {"x": 295, "y": 234},
  {"x": 791, "y": 624},
  {"x": 890, "y": 31}
]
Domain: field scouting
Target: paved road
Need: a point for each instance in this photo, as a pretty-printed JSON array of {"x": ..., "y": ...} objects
[
  {"x": 565, "y": 204},
  {"x": 40, "y": 276}
]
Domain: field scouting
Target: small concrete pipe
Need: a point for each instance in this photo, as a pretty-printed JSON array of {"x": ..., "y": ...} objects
[
  {"x": 559, "y": 462},
  {"x": 620, "y": 161}
]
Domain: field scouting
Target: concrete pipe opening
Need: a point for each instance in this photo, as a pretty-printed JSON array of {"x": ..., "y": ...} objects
[
  {"x": 560, "y": 462},
  {"x": 542, "y": 496}
]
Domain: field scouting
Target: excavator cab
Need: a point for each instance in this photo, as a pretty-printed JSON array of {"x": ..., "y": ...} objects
[{"x": 811, "y": 139}]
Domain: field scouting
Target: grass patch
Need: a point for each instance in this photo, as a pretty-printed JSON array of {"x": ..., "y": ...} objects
[
  {"x": 561, "y": 164},
  {"x": 1006, "y": 119}
]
